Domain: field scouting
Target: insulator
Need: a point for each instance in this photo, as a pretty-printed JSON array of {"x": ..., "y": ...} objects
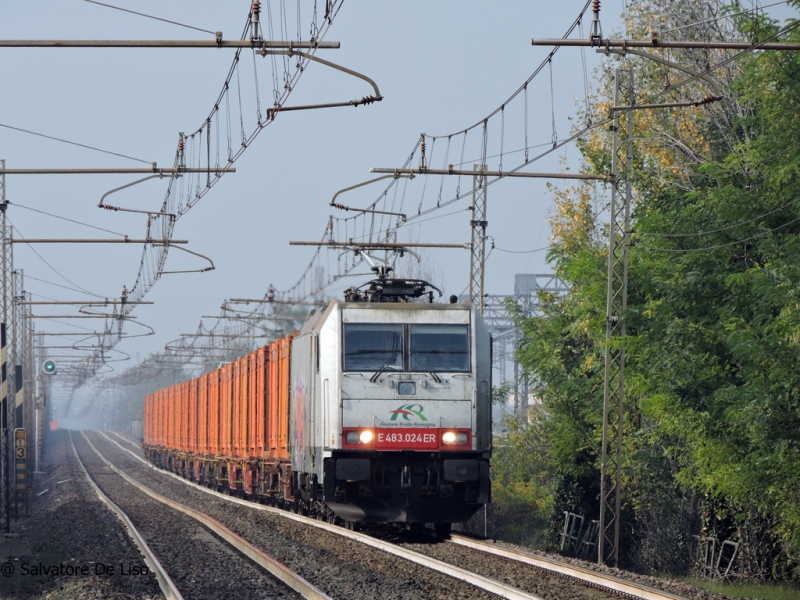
[
  {"x": 422, "y": 147},
  {"x": 180, "y": 145},
  {"x": 256, "y": 7},
  {"x": 596, "y": 6}
]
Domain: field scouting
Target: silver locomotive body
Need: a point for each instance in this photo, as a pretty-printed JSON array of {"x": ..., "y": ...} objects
[{"x": 391, "y": 411}]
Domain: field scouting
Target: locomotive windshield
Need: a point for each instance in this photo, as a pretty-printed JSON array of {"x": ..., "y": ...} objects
[
  {"x": 437, "y": 348},
  {"x": 373, "y": 347},
  {"x": 442, "y": 348}
]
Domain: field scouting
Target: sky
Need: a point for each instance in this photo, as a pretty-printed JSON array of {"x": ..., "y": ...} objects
[{"x": 440, "y": 66}]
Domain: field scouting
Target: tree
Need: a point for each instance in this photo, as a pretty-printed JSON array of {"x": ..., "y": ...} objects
[{"x": 713, "y": 425}]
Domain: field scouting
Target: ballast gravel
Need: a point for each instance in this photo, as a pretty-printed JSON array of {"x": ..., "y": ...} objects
[
  {"x": 340, "y": 567},
  {"x": 69, "y": 542},
  {"x": 200, "y": 564}
]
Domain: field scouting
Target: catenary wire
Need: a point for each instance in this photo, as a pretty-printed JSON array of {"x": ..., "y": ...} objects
[
  {"x": 133, "y": 12},
  {"x": 56, "y": 285},
  {"x": 752, "y": 237},
  {"x": 50, "y": 137},
  {"x": 725, "y": 16},
  {"x": 521, "y": 251},
  {"x": 51, "y": 266},
  {"x": 17, "y": 204},
  {"x": 696, "y": 233}
]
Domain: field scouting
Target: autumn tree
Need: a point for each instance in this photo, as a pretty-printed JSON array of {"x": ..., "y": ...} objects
[{"x": 713, "y": 411}]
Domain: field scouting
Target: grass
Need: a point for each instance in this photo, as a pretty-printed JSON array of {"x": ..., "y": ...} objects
[{"x": 761, "y": 591}]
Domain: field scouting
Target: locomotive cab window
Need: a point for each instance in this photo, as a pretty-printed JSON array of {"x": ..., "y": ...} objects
[
  {"x": 373, "y": 347},
  {"x": 440, "y": 348}
]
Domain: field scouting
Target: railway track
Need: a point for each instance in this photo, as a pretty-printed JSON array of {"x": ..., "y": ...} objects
[
  {"x": 502, "y": 571},
  {"x": 165, "y": 582},
  {"x": 203, "y": 565}
]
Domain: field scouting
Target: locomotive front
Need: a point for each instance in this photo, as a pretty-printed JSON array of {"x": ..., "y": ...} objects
[{"x": 391, "y": 412}]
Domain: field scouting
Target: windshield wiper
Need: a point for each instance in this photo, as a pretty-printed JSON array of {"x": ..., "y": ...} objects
[
  {"x": 384, "y": 367},
  {"x": 425, "y": 366}
]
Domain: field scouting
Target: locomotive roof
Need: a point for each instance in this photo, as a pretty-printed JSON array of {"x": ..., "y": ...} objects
[{"x": 316, "y": 318}]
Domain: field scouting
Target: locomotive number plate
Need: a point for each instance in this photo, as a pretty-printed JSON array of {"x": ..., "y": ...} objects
[{"x": 423, "y": 439}]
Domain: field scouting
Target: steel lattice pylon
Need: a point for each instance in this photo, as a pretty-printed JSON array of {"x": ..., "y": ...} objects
[
  {"x": 477, "y": 259},
  {"x": 617, "y": 300},
  {"x": 6, "y": 434}
]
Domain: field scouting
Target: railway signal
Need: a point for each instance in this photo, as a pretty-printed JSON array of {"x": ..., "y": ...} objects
[{"x": 49, "y": 367}]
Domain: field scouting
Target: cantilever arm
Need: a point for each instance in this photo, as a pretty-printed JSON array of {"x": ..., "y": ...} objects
[
  {"x": 363, "y": 183},
  {"x": 127, "y": 185},
  {"x": 376, "y": 97},
  {"x": 203, "y": 270}
]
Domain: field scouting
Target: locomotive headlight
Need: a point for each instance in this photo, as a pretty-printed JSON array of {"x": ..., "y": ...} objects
[
  {"x": 365, "y": 437},
  {"x": 351, "y": 437},
  {"x": 454, "y": 438}
]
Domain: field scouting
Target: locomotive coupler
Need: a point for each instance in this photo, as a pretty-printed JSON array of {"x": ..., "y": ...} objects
[{"x": 405, "y": 478}]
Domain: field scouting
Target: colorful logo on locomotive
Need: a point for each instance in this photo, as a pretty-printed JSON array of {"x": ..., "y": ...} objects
[{"x": 407, "y": 411}]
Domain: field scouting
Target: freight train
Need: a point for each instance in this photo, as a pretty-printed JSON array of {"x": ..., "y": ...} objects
[{"x": 377, "y": 410}]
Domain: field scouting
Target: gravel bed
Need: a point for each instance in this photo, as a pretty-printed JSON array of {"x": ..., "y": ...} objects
[
  {"x": 673, "y": 586},
  {"x": 69, "y": 529},
  {"x": 340, "y": 567},
  {"x": 524, "y": 577},
  {"x": 200, "y": 564},
  {"x": 528, "y": 578}
]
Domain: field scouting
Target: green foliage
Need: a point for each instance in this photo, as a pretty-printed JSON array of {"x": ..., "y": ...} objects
[
  {"x": 521, "y": 495},
  {"x": 713, "y": 344},
  {"x": 501, "y": 393}
]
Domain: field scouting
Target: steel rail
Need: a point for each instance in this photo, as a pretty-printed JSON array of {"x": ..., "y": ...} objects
[
  {"x": 614, "y": 584},
  {"x": 166, "y": 584},
  {"x": 609, "y": 582},
  {"x": 501, "y": 589},
  {"x": 278, "y": 570}
]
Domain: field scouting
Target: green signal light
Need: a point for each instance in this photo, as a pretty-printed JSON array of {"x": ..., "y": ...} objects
[{"x": 49, "y": 367}]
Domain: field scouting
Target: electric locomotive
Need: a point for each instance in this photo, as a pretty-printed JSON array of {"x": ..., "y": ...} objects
[{"x": 390, "y": 415}]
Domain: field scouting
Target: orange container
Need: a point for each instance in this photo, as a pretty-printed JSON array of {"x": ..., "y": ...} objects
[
  {"x": 146, "y": 420},
  {"x": 170, "y": 392},
  {"x": 213, "y": 412},
  {"x": 283, "y": 398},
  {"x": 202, "y": 414},
  {"x": 186, "y": 411},
  {"x": 258, "y": 402},
  {"x": 180, "y": 415},
  {"x": 245, "y": 416},
  {"x": 226, "y": 410},
  {"x": 192, "y": 446},
  {"x": 273, "y": 386},
  {"x": 239, "y": 408}
]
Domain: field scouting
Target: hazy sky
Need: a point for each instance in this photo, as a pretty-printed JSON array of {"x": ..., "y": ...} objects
[{"x": 441, "y": 67}]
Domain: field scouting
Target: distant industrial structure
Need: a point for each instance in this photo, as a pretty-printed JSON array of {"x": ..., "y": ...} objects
[{"x": 505, "y": 327}]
